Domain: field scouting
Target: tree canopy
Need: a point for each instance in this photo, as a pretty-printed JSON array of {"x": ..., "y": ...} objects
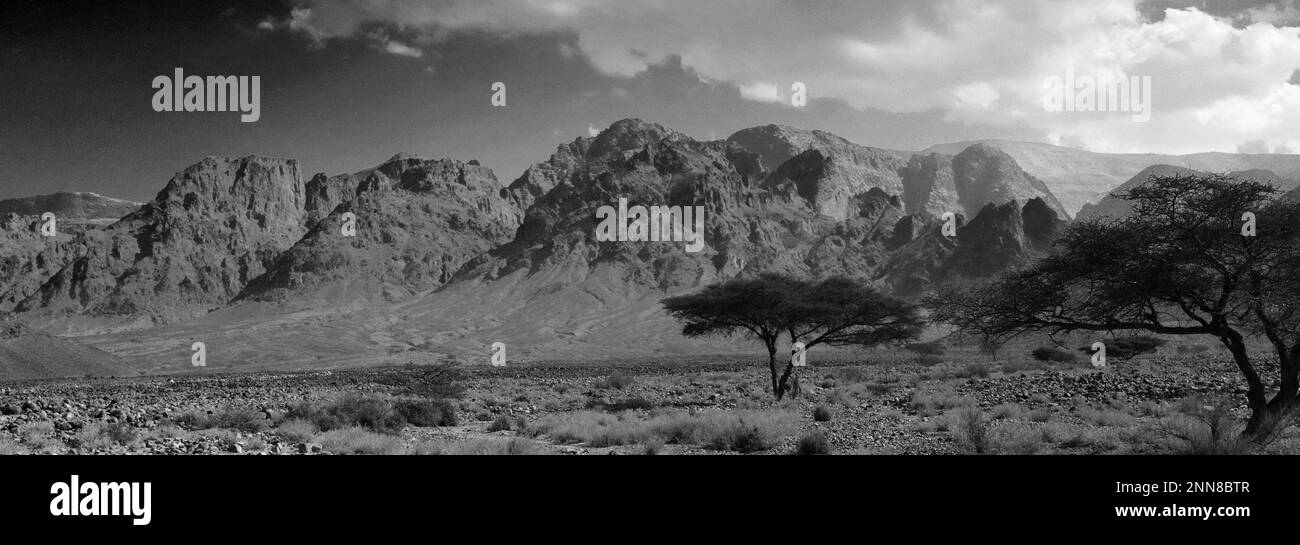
[
  {"x": 836, "y": 311},
  {"x": 1179, "y": 264}
]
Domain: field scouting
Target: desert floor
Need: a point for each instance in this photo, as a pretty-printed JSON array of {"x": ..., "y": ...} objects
[{"x": 958, "y": 404}]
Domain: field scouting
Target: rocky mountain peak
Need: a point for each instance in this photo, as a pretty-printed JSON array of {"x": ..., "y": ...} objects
[
  {"x": 215, "y": 226},
  {"x": 984, "y": 174},
  {"x": 416, "y": 223},
  {"x": 625, "y": 136}
]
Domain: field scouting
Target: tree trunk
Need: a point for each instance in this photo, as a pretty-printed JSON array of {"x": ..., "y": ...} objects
[
  {"x": 1268, "y": 421},
  {"x": 1266, "y": 424},
  {"x": 785, "y": 380},
  {"x": 771, "y": 365}
]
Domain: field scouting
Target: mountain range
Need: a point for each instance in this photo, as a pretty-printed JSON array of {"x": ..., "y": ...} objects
[
  {"x": 1080, "y": 177},
  {"x": 245, "y": 255}
]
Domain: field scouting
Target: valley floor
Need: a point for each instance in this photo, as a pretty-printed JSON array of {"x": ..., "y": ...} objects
[{"x": 963, "y": 405}]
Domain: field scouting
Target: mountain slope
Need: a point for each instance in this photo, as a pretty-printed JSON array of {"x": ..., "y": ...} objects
[
  {"x": 417, "y": 223},
  {"x": 28, "y": 259},
  {"x": 29, "y": 354},
  {"x": 214, "y": 227}
]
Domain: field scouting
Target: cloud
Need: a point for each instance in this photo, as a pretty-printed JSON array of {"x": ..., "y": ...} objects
[
  {"x": 401, "y": 49},
  {"x": 761, "y": 92},
  {"x": 1218, "y": 79}
]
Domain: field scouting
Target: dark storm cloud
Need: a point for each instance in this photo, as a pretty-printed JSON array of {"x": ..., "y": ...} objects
[{"x": 29, "y": 21}]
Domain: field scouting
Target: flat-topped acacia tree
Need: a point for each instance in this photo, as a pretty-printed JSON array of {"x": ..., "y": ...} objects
[
  {"x": 1180, "y": 264},
  {"x": 836, "y": 311}
]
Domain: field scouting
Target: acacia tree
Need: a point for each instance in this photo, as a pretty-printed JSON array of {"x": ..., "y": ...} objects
[
  {"x": 836, "y": 312},
  {"x": 1179, "y": 264}
]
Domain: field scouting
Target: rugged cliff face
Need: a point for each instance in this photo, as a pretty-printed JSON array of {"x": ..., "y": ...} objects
[
  {"x": 984, "y": 174},
  {"x": 844, "y": 169},
  {"x": 755, "y": 220},
  {"x": 929, "y": 184},
  {"x": 1000, "y": 237},
  {"x": 214, "y": 227},
  {"x": 416, "y": 223},
  {"x": 929, "y": 188},
  {"x": 27, "y": 258}
]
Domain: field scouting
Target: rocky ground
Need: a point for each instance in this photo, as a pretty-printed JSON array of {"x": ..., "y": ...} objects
[{"x": 668, "y": 406}]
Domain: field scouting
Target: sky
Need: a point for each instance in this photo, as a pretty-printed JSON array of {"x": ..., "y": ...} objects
[{"x": 346, "y": 84}]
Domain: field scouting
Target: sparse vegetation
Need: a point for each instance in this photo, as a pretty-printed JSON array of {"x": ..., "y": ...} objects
[
  {"x": 814, "y": 443},
  {"x": 1054, "y": 354},
  {"x": 297, "y": 430},
  {"x": 375, "y": 413},
  {"x": 739, "y": 431},
  {"x": 616, "y": 381},
  {"x": 500, "y": 424},
  {"x": 938, "y": 402},
  {"x": 974, "y": 370},
  {"x": 440, "y": 381},
  {"x": 426, "y": 413},
  {"x": 355, "y": 440},
  {"x": 971, "y": 431},
  {"x": 1204, "y": 427}
]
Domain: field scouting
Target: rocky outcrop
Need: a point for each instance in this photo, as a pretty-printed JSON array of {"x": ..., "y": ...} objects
[
  {"x": 214, "y": 227},
  {"x": 928, "y": 185},
  {"x": 755, "y": 220},
  {"x": 845, "y": 169},
  {"x": 998, "y": 238},
  {"x": 983, "y": 175},
  {"x": 416, "y": 223},
  {"x": 28, "y": 258},
  {"x": 829, "y": 171}
]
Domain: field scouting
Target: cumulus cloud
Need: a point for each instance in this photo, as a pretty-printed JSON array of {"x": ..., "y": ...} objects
[
  {"x": 761, "y": 91},
  {"x": 398, "y": 48},
  {"x": 1218, "y": 79}
]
